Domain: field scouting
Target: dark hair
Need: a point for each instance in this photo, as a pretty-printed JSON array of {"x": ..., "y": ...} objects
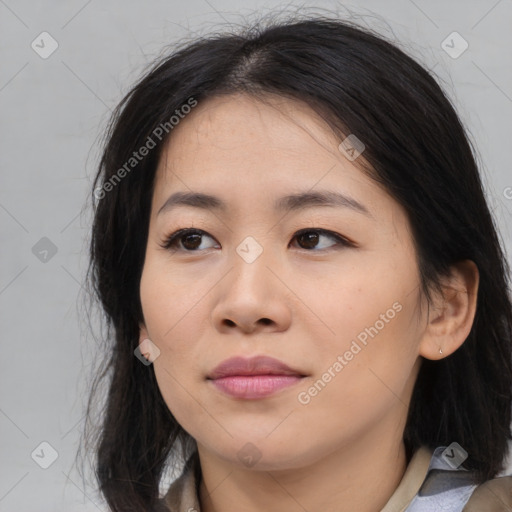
[{"x": 416, "y": 148}]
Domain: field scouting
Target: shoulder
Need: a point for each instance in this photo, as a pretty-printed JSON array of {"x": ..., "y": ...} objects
[
  {"x": 492, "y": 496},
  {"x": 451, "y": 487}
]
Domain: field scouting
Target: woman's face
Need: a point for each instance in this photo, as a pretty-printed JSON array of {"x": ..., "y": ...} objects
[{"x": 345, "y": 317}]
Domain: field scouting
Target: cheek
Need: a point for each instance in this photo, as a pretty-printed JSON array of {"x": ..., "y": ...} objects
[
  {"x": 171, "y": 307},
  {"x": 173, "y": 324},
  {"x": 366, "y": 356},
  {"x": 179, "y": 372},
  {"x": 368, "y": 370},
  {"x": 356, "y": 304},
  {"x": 179, "y": 396}
]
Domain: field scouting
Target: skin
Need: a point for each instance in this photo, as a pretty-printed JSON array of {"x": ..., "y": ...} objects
[{"x": 302, "y": 304}]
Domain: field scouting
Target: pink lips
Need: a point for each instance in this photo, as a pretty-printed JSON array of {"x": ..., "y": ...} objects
[{"x": 253, "y": 378}]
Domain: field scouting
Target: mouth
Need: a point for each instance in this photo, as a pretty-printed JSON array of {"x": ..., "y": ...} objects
[{"x": 253, "y": 378}]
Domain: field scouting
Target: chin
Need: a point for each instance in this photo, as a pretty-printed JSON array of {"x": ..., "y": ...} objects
[{"x": 265, "y": 454}]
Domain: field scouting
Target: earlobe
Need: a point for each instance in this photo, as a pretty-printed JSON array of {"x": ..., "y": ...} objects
[
  {"x": 451, "y": 316},
  {"x": 146, "y": 348}
]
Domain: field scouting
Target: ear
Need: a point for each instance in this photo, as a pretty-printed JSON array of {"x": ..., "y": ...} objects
[
  {"x": 451, "y": 316},
  {"x": 147, "y": 348}
]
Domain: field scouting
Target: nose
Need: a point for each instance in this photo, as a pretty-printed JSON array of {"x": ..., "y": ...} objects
[{"x": 251, "y": 298}]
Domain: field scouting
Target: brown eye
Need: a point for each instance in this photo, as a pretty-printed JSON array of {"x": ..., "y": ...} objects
[
  {"x": 309, "y": 239},
  {"x": 191, "y": 242},
  {"x": 185, "y": 239}
]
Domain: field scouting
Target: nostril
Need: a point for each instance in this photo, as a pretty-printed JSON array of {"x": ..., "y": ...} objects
[{"x": 230, "y": 323}]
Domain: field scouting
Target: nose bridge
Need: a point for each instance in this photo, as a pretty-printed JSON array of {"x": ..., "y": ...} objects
[
  {"x": 250, "y": 260},
  {"x": 248, "y": 293},
  {"x": 251, "y": 249}
]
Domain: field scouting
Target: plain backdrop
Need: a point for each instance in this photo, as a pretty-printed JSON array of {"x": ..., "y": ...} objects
[{"x": 54, "y": 108}]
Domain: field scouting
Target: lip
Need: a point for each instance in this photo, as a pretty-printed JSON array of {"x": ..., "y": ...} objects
[
  {"x": 253, "y": 378},
  {"x": 258, "y": 365}
]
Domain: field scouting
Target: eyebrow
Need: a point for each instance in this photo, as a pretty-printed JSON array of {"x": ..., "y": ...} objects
[{"x": 293, "y": 202}]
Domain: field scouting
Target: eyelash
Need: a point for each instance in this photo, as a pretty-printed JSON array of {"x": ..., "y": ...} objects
[{"x": 173, "y": 239}]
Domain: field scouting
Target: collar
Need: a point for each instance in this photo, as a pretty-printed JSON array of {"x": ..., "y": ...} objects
[{"x": 411, "y": 482}]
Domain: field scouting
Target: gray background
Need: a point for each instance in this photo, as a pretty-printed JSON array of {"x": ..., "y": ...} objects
[{"x": 53, "y": 111}]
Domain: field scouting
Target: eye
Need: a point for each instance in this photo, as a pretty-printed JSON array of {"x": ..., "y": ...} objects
[
  {"x": 189, "y": 239},
  {"x": 310, "y": 237}
]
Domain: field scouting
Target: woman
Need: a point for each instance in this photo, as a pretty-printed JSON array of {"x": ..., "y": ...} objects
[{"x": 304, "y": 284}]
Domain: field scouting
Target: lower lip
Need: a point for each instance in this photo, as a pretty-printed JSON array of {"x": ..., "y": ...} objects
[{"x": 254, "y": 386}]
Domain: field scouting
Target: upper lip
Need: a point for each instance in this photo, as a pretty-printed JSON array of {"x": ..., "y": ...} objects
[{"x": 258, "y": 365}]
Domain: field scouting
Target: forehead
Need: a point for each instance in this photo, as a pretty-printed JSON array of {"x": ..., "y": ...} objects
[{"x": 238, "y": 137}]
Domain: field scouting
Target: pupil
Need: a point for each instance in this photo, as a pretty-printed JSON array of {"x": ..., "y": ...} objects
[
  {"x": 311, "y": 236},
  {"x": 194, "y": 246}
]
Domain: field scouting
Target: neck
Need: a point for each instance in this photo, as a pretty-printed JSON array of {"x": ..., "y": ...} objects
[{"x": 360, "y": 476}]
